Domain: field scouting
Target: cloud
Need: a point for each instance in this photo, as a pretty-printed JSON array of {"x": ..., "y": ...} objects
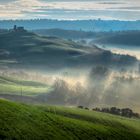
[
  {"x": 6, "y": 1},
  {"x": 82, "y": 9},
  {"x": 81, "y": 14},
  {"x": 135, "y": 8},
  {"x": 13, "y": 9}
]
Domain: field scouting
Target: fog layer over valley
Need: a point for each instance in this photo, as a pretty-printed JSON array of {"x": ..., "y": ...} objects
[
  {"x": 51, "y": 70},
  {"x": 122, "y": 49},
  {"x": 99, "y": 86}
]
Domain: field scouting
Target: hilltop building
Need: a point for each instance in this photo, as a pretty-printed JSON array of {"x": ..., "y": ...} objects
[{"x": 18, "y": 29}]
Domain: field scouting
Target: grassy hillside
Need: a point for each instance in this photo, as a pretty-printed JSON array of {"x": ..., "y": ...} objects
[
  {"x": 13, "y": 86},
  {"x": 20, "y": 121},
  {"x": 129, "y": 38},
  {"x": 122, "y": 37},
  {"x": 29, "y": 49},
  {"x": 26, "y": 49}
]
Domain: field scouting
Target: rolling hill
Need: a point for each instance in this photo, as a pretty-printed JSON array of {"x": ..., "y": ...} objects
[
  {"x": 127, "y": 38},
  {"x": 26, "y": 49},
  {"x": 20, "y": 121},
  {"x": 18, "y": 90},
  {"x": 68, "y": 34}
]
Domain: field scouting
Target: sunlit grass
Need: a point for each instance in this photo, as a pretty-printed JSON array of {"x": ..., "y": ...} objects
[
  {"x": 26, "y": 90},
  {"x": 20, "y": 121},
  {"x": 12, "y": 86}
]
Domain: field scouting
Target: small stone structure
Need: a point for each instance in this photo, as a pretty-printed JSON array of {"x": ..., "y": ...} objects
[{"x": 18, "y": 29}]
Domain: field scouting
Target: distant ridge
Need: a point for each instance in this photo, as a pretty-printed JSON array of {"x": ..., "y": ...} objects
[
  {"x": 86, "y": 25},
  {"x": 128, "y": 38}
]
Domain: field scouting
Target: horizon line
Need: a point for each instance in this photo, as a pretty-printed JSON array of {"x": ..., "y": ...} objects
[{"x": 69, "y": 19}]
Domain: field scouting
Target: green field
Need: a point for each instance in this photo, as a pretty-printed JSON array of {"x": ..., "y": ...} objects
[
  {"x": 13, "y": 86},
  {"x": 20, "y": 121}
]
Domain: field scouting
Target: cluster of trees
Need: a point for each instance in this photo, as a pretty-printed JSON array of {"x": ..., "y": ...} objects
[
  {"x": 126, "y": 112},
  {"x": 102, "y": 87},
  {"x": 82, "y": 107},
  {"x": 114, "y": 88},
  {"x": 63, "y": 94}
]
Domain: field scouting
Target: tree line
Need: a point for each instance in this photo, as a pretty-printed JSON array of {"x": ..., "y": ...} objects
[{"x": 125, "y": 112}]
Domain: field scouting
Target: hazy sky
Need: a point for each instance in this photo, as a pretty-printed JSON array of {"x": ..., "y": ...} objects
[{"x": 70, "y": 9}]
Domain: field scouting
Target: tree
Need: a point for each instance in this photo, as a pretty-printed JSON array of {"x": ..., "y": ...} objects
[
  {"x": 99, "y": 72},
  {"x": 60, "y": 92},
  {"x": 127, "y": 112},
  {"x": 115, "y": 110}
]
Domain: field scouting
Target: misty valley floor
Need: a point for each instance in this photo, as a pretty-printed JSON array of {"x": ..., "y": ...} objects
[{"x": 22, "y": 121}]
